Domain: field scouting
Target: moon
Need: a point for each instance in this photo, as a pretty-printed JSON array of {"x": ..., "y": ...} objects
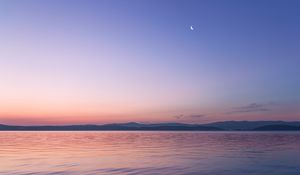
[{"x": 192, "y": 28}]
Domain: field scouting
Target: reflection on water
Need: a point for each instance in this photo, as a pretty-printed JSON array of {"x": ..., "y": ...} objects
[{"x": 87, "y": 153}]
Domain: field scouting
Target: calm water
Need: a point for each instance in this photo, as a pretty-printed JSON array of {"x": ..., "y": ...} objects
[{"x": 167, "y": 153}]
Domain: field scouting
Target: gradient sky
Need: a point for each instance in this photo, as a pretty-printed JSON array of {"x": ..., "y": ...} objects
[{"x": 70, "y": 62}]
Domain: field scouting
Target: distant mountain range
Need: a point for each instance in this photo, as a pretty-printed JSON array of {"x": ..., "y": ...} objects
[
  {"x": 133, "y": 126},
  {"x": 254, "y": 125}
]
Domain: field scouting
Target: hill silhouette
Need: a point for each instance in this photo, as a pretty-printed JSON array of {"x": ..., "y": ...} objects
[{"x": 133, "y": 126}]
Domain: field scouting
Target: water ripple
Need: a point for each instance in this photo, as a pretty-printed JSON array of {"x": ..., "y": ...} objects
[{"x": 149, "y": 153}]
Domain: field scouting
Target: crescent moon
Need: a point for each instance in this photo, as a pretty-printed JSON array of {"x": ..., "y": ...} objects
[{"x": 192, "y": 28}]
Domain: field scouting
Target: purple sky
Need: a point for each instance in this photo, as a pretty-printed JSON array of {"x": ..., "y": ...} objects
[{"x": 65, "y": 62}]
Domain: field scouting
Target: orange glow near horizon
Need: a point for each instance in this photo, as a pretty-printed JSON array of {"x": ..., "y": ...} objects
[{"x": 73, "y": 63}]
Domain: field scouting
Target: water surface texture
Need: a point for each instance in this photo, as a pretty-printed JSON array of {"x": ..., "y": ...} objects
[{"x": 150, "y": 153}]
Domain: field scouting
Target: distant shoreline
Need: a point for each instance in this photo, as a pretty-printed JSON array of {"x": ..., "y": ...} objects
[{"x": 133, "y": 126}]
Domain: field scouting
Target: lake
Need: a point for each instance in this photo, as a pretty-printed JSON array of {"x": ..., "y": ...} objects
[{"x": 149, "y": 153}]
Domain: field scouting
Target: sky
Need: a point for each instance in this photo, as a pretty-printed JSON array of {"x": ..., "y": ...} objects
[{"x": 108, "y": 61}]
